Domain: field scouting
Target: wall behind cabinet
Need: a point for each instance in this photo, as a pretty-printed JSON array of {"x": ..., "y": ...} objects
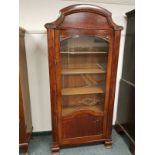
[
  {"x": 37, "y": 62},
  {"x": 33, "y": 15}
]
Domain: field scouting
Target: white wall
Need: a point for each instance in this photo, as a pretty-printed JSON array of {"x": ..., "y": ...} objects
[
  {"x": 33, "y": 15},
  {"x": 37, "y": 61}
]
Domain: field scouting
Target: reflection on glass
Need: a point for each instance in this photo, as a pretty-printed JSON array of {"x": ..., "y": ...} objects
[{"x": 83, "y": 71}]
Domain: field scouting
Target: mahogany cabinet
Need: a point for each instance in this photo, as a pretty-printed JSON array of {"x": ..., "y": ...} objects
[
  {"x": 25, "y": 121},
  {"x": 83, "y": 49}
]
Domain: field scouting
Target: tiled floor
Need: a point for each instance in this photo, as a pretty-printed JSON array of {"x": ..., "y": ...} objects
[{"x": 40, "y": 145}]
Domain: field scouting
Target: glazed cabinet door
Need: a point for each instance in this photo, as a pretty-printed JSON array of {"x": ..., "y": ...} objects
[{"x": 84, "y": 65}]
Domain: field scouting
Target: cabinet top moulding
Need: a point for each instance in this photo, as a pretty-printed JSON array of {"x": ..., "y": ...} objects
[{"x": 69, "y": 15}]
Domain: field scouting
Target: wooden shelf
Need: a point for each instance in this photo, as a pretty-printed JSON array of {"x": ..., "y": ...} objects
[
  {"x": 82, "y": 90},
  {"x": 68, "y": 110},
  {"x": 83, "y": 52},
  {"x": 82, "y": 71}
]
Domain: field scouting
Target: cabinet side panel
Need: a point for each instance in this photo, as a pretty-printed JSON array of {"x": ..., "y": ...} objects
[
  {"x": 51, "y": 57},
  {"x": 24, "y": 84},
  {"x": 113, "y": 83},
  {"x": 58, "y": 81},
  {"x": 22, "y": 127}
]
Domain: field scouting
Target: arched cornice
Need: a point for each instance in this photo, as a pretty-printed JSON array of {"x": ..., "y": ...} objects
[{"x": 83, "y": 8}]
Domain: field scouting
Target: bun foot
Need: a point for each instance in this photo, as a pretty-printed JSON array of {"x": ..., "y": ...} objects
[
  {"x": 108, "y": 144},
  {"x": 55, "y": 150}
]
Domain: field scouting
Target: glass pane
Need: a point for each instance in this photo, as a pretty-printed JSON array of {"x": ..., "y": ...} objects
[{"x": 83, "y": 72}]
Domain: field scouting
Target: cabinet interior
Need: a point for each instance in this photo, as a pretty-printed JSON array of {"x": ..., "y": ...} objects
[{"x": 83, "y": 72}]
